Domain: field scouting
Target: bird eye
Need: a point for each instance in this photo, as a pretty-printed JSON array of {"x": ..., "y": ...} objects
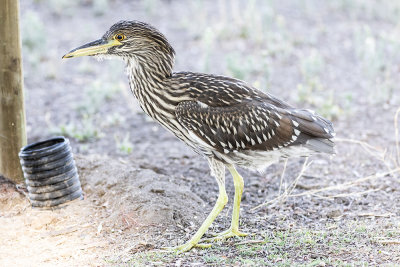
[{"x": 119, "y": 37}]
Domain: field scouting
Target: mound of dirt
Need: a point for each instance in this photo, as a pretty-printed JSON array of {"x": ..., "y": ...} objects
[
  {"x": 148, "y": 197},
  {"x": 124, "y": 207}
]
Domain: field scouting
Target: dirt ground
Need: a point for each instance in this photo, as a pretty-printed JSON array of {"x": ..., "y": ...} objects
[{"x": 144, "y": 190}]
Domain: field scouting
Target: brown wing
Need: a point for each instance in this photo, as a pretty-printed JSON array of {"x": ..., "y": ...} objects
[
  {"x": 230, "y": 115},
  {"x": 251, "y": 126}
]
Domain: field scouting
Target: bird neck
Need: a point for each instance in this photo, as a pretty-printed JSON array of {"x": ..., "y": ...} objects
[
  {"x": 148, "y": 80},
  {"x": 149, "y": 70},
  {"x": 153, "y": 62}
]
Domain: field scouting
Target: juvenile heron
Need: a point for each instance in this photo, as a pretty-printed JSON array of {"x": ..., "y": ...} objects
[{"x": 226, "y": 120}]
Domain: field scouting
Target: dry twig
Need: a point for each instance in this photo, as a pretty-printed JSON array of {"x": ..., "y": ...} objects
[
  {"x": 288, "y": 190},
  {"x": 282, "y": 175},
  {"x": 346, "y": 185},
  {"x": 381, "y": 154}
]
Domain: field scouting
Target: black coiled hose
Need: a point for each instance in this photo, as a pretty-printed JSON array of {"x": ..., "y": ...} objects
[{"x": 50, "y": 172}]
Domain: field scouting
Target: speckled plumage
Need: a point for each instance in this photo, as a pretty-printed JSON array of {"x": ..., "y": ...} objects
[
  {"x": 224, "y": 119},
  {"x": 221, "y": 117},
  {"x": 236, "y": 122}
]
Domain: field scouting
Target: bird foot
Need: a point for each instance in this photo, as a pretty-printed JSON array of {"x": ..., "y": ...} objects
[
  {"x": 186, "y": 247},
  {"x": 225, "y": 235}
]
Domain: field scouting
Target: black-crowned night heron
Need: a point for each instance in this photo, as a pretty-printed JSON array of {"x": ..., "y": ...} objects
[{"x": 228, "y": 121}]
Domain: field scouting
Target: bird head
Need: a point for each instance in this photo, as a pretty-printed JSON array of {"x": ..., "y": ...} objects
[{"x": 127, "y": 39}]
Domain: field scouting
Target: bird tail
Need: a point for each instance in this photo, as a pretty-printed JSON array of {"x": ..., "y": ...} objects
[
  {"x": 321, "y": 145},
  {"x": 317, "y": 133}
]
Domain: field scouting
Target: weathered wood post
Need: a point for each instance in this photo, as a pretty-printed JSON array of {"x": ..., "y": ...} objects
[{"x": 12, "y": 111}]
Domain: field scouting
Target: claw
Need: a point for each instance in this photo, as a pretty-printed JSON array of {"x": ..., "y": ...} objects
[
  {"x": 225, "y": 235},
  {"x": 203, "y": 245}
]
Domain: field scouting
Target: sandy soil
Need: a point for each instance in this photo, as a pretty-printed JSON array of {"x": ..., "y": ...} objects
[{"x": 126, "y": 207}]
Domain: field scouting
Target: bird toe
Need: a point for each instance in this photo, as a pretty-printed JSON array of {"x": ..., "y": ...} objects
[{"x": 225, "y": 235}]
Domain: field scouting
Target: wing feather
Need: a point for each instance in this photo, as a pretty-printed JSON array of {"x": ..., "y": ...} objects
[
  {"x": 237, "y": 127},
  {"x": 229, "y": 116}
]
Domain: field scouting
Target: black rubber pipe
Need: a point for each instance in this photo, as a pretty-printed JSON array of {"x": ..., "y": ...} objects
[{"x": 50, "y": 172}]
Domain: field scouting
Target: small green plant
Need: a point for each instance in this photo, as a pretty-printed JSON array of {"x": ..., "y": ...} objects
[
  {"x": 361, "y": 229},
  {"x": 213, "y": 259},
  {"x": 113, "y": 119},
  {"x": 82, "y": 132},
  {"x": 125, "y": 146}
]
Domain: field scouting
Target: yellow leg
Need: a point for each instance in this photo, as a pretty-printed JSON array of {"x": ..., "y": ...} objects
[
  {"x": 234, "y": 229},
  {"x": 219, "y": 205}
]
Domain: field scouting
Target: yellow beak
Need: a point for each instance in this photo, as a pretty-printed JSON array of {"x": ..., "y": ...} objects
[{"x": 93, "y": 48}]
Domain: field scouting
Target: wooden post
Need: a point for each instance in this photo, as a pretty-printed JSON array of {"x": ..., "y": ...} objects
[{"x": 12, "y": 111}]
